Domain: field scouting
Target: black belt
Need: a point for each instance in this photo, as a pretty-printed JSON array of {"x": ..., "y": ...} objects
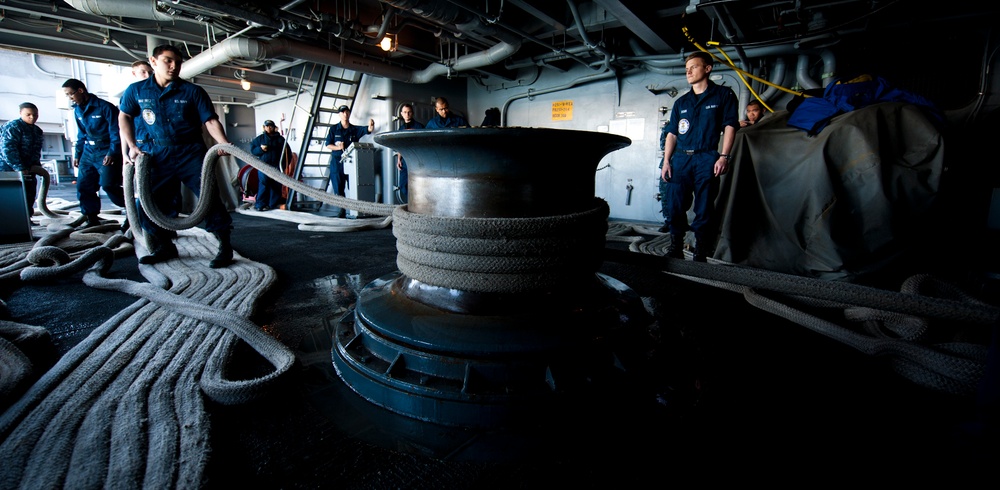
[{"x": 693, "y": 152}]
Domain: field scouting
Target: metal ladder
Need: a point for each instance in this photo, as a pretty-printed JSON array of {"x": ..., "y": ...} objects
[{"x": 337, "y": 87}]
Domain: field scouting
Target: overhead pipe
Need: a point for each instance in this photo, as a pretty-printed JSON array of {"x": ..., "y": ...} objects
[
  {"x": 495, "y": 54},
  {"x": 829, "y": 66},
  {"x": 558, "y": 52},
  {"x": 802, "y": 73},
  {"x": 727, "y": 32},
  {"x": 138, "y": 9},
  {"x": 444, "y": 12},
  {"x": 585, "y": 38},
  {"x": 777, "y": 78},
  {"x": 259, "y": 51}
]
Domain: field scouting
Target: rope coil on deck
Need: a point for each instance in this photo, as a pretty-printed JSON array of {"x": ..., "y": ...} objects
[
  {"x": 125, "y": 407},
  {"x": 500, "y": 255}
]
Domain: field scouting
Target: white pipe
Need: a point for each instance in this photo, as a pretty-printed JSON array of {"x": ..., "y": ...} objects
[
  {"x": 34, "y": 61},
  {"x": 496, "y": 53},
  {"x": 139, "y": 9},
  {"x": 802, "y": 73},
  {"x": 829, "y": 67},
  {"x": 777, "y": 78},
  {"x": 259, "y": 51}
]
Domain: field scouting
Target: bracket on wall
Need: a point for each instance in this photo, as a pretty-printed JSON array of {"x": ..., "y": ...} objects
[{"x": 671, "y": 91}]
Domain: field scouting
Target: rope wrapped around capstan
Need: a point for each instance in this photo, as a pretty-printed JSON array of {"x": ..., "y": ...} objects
[{"x": 501, "y": 255}]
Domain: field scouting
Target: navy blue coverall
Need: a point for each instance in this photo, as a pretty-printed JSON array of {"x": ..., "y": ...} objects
[
  {"x": 698, "y": 122},
  {"x": 268, "y": 189},
  {"x": 173, "y": 118},
  {"x": 338, "y": 133},
  {"x": 98, "y": 137},
  {"x": 452, "y": 121},
  {"x": 20, "y": 149}
]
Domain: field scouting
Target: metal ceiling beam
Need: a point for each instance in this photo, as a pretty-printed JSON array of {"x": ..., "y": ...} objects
[
  {"x": 635, "y": 24},
  {"x": 194, "y": 38},
  {"x": 542, "y": 16},
  {"x": 59, "y": 46}
]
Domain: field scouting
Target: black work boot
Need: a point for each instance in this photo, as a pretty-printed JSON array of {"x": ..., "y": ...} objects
[
  {"x": 225, "y": 255},
  {"x": 161, "y": 250},
  {"x": 675, "y": 249},
  {"x": 92, "y": 221},
  {"x": 701, "y": 247},
  {"x": 699, "y": 254}
]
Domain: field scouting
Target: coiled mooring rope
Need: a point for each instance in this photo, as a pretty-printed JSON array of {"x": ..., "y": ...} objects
[
  {"x": 125, "y": 407},
  {"x": 500, "y": 255},
  {"x": 15, "y": 365}
]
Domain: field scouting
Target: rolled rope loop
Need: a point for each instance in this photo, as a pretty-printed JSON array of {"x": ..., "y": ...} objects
[{"x": 500, "y": 255}]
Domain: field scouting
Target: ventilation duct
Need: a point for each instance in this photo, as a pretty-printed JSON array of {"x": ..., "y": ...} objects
[
  {"x": 137, "y": 9},
  {"x": 259, "y": 51}
]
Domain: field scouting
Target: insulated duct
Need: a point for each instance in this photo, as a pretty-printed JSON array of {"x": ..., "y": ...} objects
[
  {"x": 777, "y": 78},
  {"x": 802, "y": 73},
  {"x": 260, "y": 51},
  {"x": 254, "y": 50},
  {"x": 138, "y": 9},
  {"x": 446, "y": 13}
]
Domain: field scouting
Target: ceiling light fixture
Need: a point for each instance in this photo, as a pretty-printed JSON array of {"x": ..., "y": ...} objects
[
  {"x": 241, "y": 75},
  {"x": 387, "y": 43}
]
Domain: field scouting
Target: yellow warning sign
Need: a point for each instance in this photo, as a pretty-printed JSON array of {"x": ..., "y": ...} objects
[{"x": 562, "y": 110}]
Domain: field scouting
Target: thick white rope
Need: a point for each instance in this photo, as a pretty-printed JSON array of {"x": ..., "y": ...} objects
[
  {"x": 894, "y": 324},
  {"x": 208, "y": 183},
  {"x": 125, "y": 407},
  {"x": 501, "y": 255},
  {"x": 15, "y": 365}
]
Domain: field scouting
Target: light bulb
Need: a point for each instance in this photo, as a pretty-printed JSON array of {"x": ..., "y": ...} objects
[
  {"x": 386, "y": 43},
  {"x": 245, "y": 84}
]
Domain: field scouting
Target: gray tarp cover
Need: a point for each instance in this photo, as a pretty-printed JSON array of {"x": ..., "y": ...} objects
[{"x": 836, "y": 206}]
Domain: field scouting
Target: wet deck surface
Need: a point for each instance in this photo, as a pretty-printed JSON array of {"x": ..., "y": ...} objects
[{"x": 713, "y": 385}]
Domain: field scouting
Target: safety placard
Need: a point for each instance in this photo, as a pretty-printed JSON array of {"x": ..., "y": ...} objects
[{"x": 562, "y": 110}]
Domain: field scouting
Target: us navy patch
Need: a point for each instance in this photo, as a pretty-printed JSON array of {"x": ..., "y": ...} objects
[
  {"x": 683, "y": 126},
  {"x": 149, "y": 116}
]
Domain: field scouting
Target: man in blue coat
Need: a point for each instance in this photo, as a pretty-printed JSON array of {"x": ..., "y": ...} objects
[
  {"x": 97, "y": 152},
  {"x": 445, "y": 118},
  {"x": 692, "y": 160},
  {"x": 342, "y": 136},
  {"x": 270, "y": 148},
  {"x": 21, "y": 149},
  {"x": 174, "y": 111}
]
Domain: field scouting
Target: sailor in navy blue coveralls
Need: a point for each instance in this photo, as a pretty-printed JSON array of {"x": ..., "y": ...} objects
[
  {"x": 692, "y": 160},
  {"x": 97, "y": 150},
  {"x": 342, "y": 136},
  {"x": 270, "y": 148},
  {"x": 174, "y": 111},
  {"x": 445, "y": 118}
]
